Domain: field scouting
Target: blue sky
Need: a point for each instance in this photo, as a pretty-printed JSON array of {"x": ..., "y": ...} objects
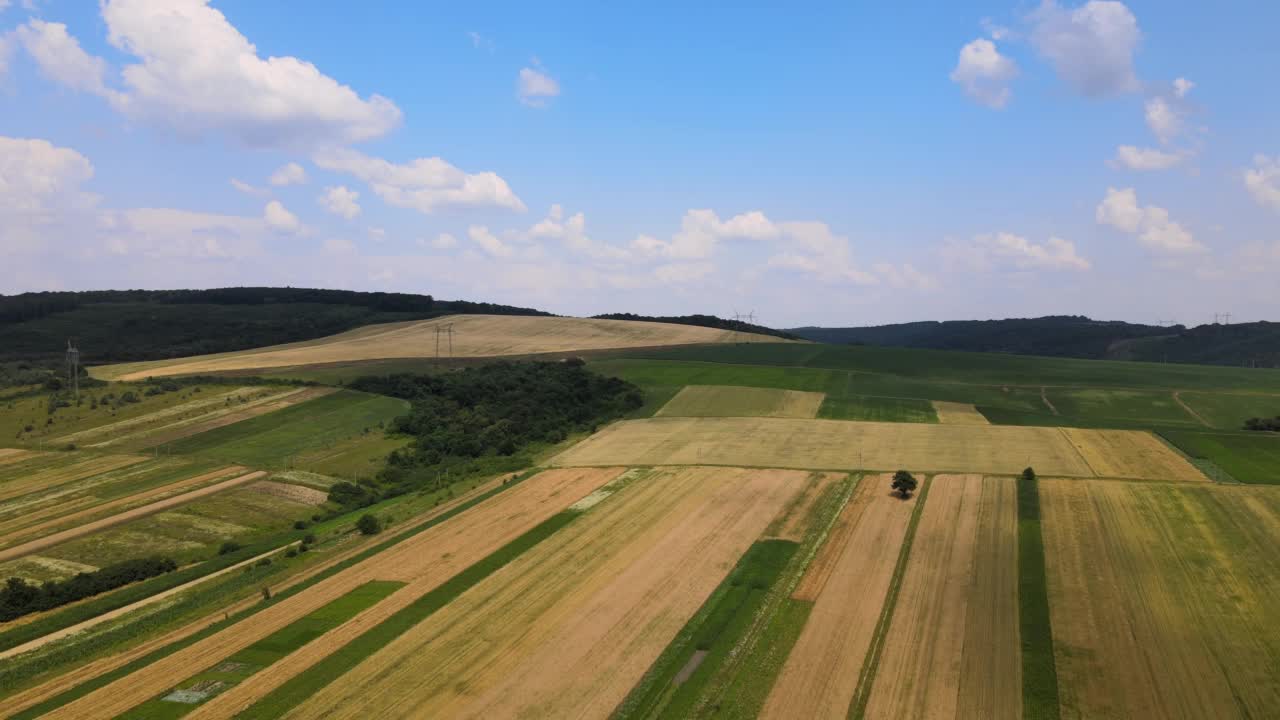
[{"x": 836, "y": 164}]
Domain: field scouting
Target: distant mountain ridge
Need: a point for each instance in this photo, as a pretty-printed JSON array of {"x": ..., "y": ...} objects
[{"x": 1076, "y": 336}]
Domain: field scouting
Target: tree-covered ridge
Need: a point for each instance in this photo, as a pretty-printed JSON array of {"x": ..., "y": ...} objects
[
  {"x": 133, "y": 325},
  {"x": 472, "y": 419},
  {"x": 710, "y": 321}
]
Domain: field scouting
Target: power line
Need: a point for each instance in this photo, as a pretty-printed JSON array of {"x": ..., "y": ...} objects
[{"x": 73, "y": 368}]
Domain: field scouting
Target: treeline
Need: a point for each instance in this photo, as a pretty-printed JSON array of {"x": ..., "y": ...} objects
[
  {"x": 710, "y": 321},
  {"x": 19, "y": 597},
  {"x": 1263, "y": 424},
  {"x": 481, "y": 418},
  {"x": 133, "y": 325}
]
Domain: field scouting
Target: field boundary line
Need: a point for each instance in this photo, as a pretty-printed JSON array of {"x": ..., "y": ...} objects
[
  {"x": 858, "y": 705},
  {"x": 1177, "y": 397},
  {"x": 1044, "y": 395}
]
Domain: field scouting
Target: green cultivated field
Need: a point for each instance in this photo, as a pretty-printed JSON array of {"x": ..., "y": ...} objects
[
  {"x": 1248, "y": 458},
  {"x": 1154, "y": 408},
  {"x": 1228, "y": 412},
  {"x": 272, "y": 440},
  {"x": 878, "y": 409}
]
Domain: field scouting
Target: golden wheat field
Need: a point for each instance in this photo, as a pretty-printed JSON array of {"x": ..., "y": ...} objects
[{"x": 472, "y": 336}]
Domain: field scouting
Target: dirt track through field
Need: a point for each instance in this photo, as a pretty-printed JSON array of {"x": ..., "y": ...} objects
[
  {"x": 1163, "y": 599},
  {"x": 933, "y": 640},
  {"x": 833, "y": 445},
  {"x": 432, "y": 556},
  {"x": 88, "y": 528},
  {"x": 32, "y": 696},
  {"x": 954, "y": 413},
  {"x": 65, "y": 518},
  {"x": 568, "y": 628},
  {"x": 473, "y": 336},
  {"x": 820, "y": 675}
]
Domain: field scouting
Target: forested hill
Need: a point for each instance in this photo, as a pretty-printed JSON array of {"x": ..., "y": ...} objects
[
  {"x": 710, "y": 321},
  {"x": 1075, "y": 336},
  {"x": 128, "y": 325}
]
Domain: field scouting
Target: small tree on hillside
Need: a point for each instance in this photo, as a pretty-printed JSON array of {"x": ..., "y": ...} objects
[
  {"x": 904, "y": 483},
  {"x": 1029, "y": 475},
  {"x": 368, "y": 524}
]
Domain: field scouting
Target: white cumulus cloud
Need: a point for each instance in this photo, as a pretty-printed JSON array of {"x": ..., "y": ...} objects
[
  {"x": 1136, "y": 158},
  {"x": 36, "y": 176},
  {"x": 1152, "y": 224},
  {"x": 279, "y": 218},
  {"x": 702, "y": 230},
  {"x": 984, "y": 73},
  {"x": 341, "y": 201},
  {"x": 197, "y": 73},
  {"x": 1263, "y": 181},
  {"x": 1090, "y": 47},
  {"x": 1007, "y": 251},
  {"x": 61, "y": 58},
  {"x": 424, "y": 184},
  {"x": 290, "y": 174},
  {"x": 535, "y": 88},
  {"x": 248, "y": 189},
  {"x": 489, "y": 242}
]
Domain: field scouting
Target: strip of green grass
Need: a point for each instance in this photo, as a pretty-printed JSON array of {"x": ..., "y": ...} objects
[
  {"x": 270, "y": 649},
  {"x": 741, "y": 680},
  {"x": 10, "y": 676},
  {"x": 712, "y": 633},
  {"x": 858, "y": 706},
  {"x": 270, "y": 440},
  {"x": 1039, "y": 671},
  {"x": 307, "y": 683},
  {"x": 1253, "y": 459},
  {"x": 878, "y": 409}
]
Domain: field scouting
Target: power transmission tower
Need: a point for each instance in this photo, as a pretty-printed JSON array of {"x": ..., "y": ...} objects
[
  {"x": 449, "y": 328},
  {"x": 73, "y": 368}
]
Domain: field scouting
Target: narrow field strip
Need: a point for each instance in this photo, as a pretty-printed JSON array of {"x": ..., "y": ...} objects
[
  {"x": 88, "y": 528},
  {"x": 40, "y": 699},
  {"x": 867, "y": 676},
  {"x": 13, "y": 455},
  {"x": 955, "y": 413},
  {"x": 186, "y": 696},
  {"x": 672, "y": 687},
  {"x": 1039, "y": 671},
  {"x": 929, "y": 643},
  {"x": 112, "y": 506},
  {"x": 80, "y": 467},
  {"x": 191, "y": 427},
  {"x": 848, "y": 582},
  {"x": 1164, "y": 599},
  {"x": 436, "y": 554},
  {"x": 571, "y": 626},
  {"x": 731, "y": 401},
  {"x": 209, "y": 403}
]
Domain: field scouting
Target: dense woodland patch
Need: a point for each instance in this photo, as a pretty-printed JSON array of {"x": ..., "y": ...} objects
[
  {"x": 483, "y": 419},
  {"x": 710, "y": 321}
]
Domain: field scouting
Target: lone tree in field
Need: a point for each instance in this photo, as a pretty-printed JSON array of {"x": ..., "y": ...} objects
[
  {"x": 1029, "y": 475},
  {"x": 368, "y": 524},
  {"x": 904, "y": 483}
]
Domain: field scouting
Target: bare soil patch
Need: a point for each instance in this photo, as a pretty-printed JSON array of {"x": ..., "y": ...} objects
[
  {"x": 294, "y": 493},
  {"x": 954, "y": 413}
]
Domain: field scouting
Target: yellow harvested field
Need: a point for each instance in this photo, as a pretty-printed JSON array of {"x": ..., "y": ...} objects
[
  {"x": 65, "y": 513},
  {"x": 1163, "y": 598},
  {"x": 732, "y": 401},
  {"x": 428, "y": 559},
  {"x": 948, "y": 653},
  {"x": 473, "y": 336},
  {"x": 568, "y": 628},
  {"x": 77, "y": 467},
  {"x": 954, "y": 413},
  {"x": 1131, "y": 454},
  {"x": 13, "y": 455},
  {"x": 832, "y": 444},
  {"x": 850, "y": 578},
  {"x": 88, "y": 528}
]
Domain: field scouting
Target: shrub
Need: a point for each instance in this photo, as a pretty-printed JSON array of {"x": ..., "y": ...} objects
[
  {"x": 368, "y": 524},
  {"x": 228, "y": 547}
]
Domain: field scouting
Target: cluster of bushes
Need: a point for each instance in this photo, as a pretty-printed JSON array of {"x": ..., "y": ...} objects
[
  {"x": 19, "y": 597},
  {"x": 470, "y": 420},
  {"x": 1263, "y": 424}
]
